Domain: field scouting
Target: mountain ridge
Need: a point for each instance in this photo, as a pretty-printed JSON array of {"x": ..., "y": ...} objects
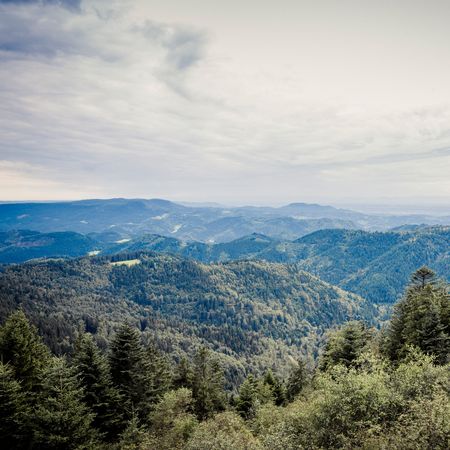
[{"x": 134, "y": 217}]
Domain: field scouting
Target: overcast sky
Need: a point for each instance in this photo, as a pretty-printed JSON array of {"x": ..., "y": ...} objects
[{"x": 237, "y": 101}]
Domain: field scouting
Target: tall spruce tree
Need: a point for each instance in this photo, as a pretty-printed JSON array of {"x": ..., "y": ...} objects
[
  {"x": 14, "y": 412},
  {"x": 183, "y": 374},
  {"x": 207, "y": 384},
  {"x": 248, "y": 397},
  {"x": 61, "y": 420},
  {"x": 159, "y": 374},
  {"x": 22, "y": 348},
  {"x": 99, "y": 394},
  {"x": 298, "y": 379},
  {"x": 421, "y": 319},
  {"x": 276, "y": 387},
  {"x": 129, "y": 370}
]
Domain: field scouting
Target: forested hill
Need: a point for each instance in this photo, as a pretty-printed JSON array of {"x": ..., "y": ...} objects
[
  {"x": 375, "y": 265},
  {"x": 239, "y": 309}
]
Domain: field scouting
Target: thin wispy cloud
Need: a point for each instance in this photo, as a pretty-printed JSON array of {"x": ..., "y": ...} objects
[{"x": 278, "y": 103}]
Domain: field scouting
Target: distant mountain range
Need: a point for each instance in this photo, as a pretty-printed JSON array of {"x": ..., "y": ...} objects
[
  {"x": 375, "y": 265},
  {"x": 117, "y": 219}
]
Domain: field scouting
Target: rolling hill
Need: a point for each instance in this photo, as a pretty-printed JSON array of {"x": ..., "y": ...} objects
[
  {"x": 375, "y": 265},
  {"x": 239, "y": 309}
]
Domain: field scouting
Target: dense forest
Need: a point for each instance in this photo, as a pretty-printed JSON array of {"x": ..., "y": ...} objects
[
  {"x": 374, "y": 265},
  {"x": 251, "y": 314},
  {"x": 367, "y": 389}
]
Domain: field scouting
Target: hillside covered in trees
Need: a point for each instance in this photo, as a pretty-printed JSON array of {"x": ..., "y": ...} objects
[
  {"x": 253, "y": 314},
  {"x": 374, "y": 265},
  {"x": 366, "y": 390}
]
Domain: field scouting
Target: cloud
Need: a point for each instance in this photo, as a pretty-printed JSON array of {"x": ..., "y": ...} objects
[
  {"x": 184, "y": 45},
  {"x": 129, "y": 99}
]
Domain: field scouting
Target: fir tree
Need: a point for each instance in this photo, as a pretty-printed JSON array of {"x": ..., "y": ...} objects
[
  {"x": 207, "y": 384},
  {"x": 159, "y": 374},
  {"x": 276, "y": 388},
  {"x": 345, "y": 345},
  {"x": 14, "y": 411},
  {"x": 246, "y": 401},
  {"x": 98, "y": 392},
  {"x": 128, "y": 367},
  {"x": 183, "y": 375},
  {"x": 297, "y": 380},
  {"x": 22, "y": 348},
  {"x": 421, "y": 318},
  {"x": 61, "y": 419}
]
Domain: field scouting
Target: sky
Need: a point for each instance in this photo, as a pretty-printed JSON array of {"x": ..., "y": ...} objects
[{"x": 238, "y": 102}]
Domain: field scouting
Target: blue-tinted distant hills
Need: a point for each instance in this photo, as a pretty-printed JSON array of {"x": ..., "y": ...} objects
[
  {"x": 129, "y": 218},
  {"x": 23, "y": 245}
]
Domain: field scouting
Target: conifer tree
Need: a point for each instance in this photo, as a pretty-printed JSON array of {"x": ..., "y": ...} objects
[
  {"x": 276, "y": 387},
  {"x": 207, "y": 384},
  {"x": 246, "y": 401},
  {"x": 22, "y": 348},
  {"x": 14, "y": 412},
  {"x": 159, "y": 374},
  {"x": 98, "y": 392},
  {"x": 345, "y": 345},
  {"x": 421, "y": 318},
  {"x": 128, "y": 368},
  {"x": 422, "y": 277},
  {"x": 297, "y": 380},
  {"x": 61, "y": 420},
  {"x": 183, "y": 375}
]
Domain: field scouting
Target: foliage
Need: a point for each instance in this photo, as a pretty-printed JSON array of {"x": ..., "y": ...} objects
[
  {"x": 62, "y": 420},
  {"x": 172, "y": 420},
  {"x": 127, "y": 395},
  {"x": 22, "y": 349},
  {"x": 207, "y": 384},
  {"x": 251, "y": 314},
  {"x": 421, "y": 319},
  {"x": 99, "y": 394},
  {"x": 225, "y": 431},
  {"x": 345, "y": 345}
]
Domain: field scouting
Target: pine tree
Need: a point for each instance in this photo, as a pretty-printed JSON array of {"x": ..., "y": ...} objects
[
  {"x": 345, "y": 345},
  {"x": 14, "y": 412},
  {"x": 297, "y": 380},
  {"x": 422, "y": 277},
  {"x": 61, "y": 420},
  {"x": 207, "y": 384},
  {"x": 276, "y": 388},
  {"x": 248, "y": 394},
  {"x": 22, "y": 348},
  {"x": 159, "y": 374},
  {"x": 421, "y": 319},
  {"x": 183, "y": 375},
  {"x": 128, "y": 368},
  {"x": 98, "y": 392}
]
